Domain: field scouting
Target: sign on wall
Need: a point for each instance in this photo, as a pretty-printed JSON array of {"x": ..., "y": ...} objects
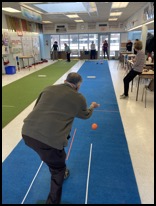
[{"x": 31, "y": 14}]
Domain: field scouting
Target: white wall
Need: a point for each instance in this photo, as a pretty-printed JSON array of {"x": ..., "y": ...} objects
[
  {"x": 124, "y": 37},
  {"x": 82, "y": 28}
]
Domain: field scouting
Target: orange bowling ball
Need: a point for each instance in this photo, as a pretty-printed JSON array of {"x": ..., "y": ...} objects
[{"x": 94, "y": 126}]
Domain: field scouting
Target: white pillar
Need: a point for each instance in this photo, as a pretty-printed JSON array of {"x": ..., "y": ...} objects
[{"x": 144, "y": 36}]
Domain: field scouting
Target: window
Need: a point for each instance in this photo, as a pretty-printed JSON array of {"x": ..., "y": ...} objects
[
  {"x": 114, "y": 43},
  {"x": 63, "y": 39},
  {"x": 74, "y": 45},
  {"x": 83, "y": 42}
]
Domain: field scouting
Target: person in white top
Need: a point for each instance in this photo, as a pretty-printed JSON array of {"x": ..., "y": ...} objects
[{"x": 93, "y": 51}]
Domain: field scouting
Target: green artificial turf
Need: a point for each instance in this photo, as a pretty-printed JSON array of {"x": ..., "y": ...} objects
[{"x": 18, "y": 95}]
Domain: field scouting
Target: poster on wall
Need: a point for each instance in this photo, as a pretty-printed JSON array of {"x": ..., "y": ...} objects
[
  {"x": 36, "y": 47},
  {"x": 5, "y": 38},
  {"x": 16, "y": 46},
  {"x": 5, "y": 43},
  {"x": 27, "y": 46},
  {"x": 31, "y": 14}
]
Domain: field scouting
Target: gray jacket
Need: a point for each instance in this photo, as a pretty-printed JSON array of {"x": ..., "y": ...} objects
[
  {"x": 51, "y": 119},
  {"x": 139, "y": 61}
]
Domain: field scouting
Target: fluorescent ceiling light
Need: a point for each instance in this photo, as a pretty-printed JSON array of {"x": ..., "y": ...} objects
[
  {"x": 118, "y": 5},
  {"x": 149, "y": 22},
  {"x": 78, "y": 20},
  {"x": 92, "y": 7},
  {"x": 9, "y": 9},
  {"x": 141, "y": 25},
  {"x": 63, "y": 7},
  {"x": 115, "y": 13},
  {"x": 112, "y": 19},
  {"x": 46, "y": 21},
  {"x": 72, "y": 16},
  {"x": 135, "y": 27},
  {"x": 31, "y": 2}
]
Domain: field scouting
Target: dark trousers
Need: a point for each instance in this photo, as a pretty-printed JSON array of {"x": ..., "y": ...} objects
[
  {"x": 68, "y": 57},
  {"x": 55, "y": 160},
  {"x": 92, "y": 54},
  {"x": 55, "y": 55},
  {"x": 127, "y": 79},
  {"x": 105, "y": 52}
]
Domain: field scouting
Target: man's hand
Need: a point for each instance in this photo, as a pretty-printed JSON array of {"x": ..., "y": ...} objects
[{"x": 94, "y": 105}]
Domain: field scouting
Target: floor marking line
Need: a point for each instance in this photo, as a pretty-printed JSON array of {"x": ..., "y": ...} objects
[
  {"x": 7, "y": 106},
  {"x": 32, "y": 183},
  {"x": 90, "y": 155},
  {"x": 71, "y": 144},
  {"x": 104, "y": 111}
]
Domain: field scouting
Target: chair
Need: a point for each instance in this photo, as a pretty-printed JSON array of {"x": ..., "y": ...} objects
[{"x": 149, "y": 87}]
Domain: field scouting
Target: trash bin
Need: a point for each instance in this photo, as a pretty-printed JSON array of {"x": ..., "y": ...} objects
[{"x": 10, "y": 69}]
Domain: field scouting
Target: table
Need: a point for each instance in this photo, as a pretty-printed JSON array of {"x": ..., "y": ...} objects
[
  {"x": 125, "y": 52},
  {"x": 123, "y": 56},
  {"x": 131, "y": 56},
  {"x": 144, "y": 75},
  {"x": 147, "y": 63},
  {"x": 27, "y": 57},
  {"x": 62, "y": 55},
  {"x": 151, "y": 64}
]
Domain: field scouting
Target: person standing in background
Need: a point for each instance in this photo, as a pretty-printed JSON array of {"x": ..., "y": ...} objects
[
  {"x": 68, "y": 51},
  {"x": 55, "y": 51},
  {"x": 135, "y": 52},
  {"x": 105, "y": 49},
  {"x": 129, "y": 46},
  {"x": 93, "y": 51}
]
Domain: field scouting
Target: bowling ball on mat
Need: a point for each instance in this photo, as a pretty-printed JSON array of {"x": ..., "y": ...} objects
[{"x": 94, "y": 126}]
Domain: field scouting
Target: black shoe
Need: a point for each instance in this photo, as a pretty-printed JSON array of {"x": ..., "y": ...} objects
[{"x": 67, "y": 173}]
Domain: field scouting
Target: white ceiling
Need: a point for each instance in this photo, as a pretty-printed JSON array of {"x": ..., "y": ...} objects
[{"x": 102, "y": 14}]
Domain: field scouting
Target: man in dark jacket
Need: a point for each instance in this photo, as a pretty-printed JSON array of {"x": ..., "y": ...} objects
[
  {"x": 105, "y": 49},
  {"x": 129, "y": 46},
  {"x": 46, "y": 129},
  {"x": 55, "y": 51}
]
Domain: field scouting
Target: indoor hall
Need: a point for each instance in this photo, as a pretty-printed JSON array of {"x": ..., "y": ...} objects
[{"x": 138, "y": 122}]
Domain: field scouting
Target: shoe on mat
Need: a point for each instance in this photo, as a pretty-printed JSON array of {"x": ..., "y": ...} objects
[
  {"x": 67, "y": 173},
  {"x": 123, "y": 96}
]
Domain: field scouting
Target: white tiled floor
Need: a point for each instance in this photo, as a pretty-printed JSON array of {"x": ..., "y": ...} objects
[{"x": 138, "y": 123}]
